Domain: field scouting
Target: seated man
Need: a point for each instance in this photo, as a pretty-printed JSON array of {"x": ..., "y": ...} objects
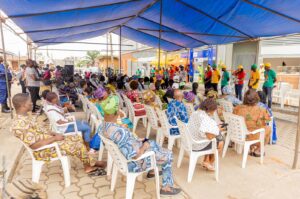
[
  {"x": 132, "y": 148},
  {"x": 58, "y": 115},
  {"x": 36, "y": 136},
  {"x": 177, "y": 109}
]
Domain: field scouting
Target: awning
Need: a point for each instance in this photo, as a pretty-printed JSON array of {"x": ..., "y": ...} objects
[{"x": 185, "y": 23}]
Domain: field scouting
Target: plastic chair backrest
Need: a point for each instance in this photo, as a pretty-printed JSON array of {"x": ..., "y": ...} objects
[
  {"x": 186, "y": 141},
  {"x": 226, "y": 105},
  {"x": 151, "y": 115},
  {"x": 163, "y": 120},
  {"x": 236, "y": 126},
  {"x": 158, "y": 101},
  {"x": 118, "y": 158},
  {"x": 189, "y": 108}
]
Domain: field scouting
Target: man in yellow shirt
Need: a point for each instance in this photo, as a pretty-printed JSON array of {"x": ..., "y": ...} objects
[
  {"x": 254, "y": 78},
  {"x": 215, "y": 78}
]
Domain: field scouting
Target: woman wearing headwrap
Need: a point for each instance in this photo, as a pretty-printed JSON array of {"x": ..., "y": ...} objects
[
  {"x": 192, "y": 96},
  {"x": 212, "y": 94},
  {"x": 134, "y": 97},
  {"x": 132, "y": 147},
  {"x": 227, "y": 95}
]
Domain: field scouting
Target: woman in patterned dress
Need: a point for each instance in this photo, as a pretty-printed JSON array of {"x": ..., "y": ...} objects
[
  {"x": 132, "y": 147},
  {"x": 35, "y": 136}
]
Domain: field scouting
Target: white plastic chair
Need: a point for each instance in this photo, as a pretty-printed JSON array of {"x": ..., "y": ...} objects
[
  {"x": 165, "y": 130},
  {"x": 237, "y": 132},
  {"x": 37, "y": 164},
  {"x": 188, "y": 144},
  {"x": 280, "y": 94},
  {"x": 152, "y": 120},
  {"x": 85, "y": 106},
  {"x": 121, "y": 165},
  {"x": 226, "y": 105},
  {"x": 132, "y": 115}
]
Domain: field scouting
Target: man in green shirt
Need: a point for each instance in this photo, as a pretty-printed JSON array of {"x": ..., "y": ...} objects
[
  {"x": 270, "y": 79},
  {"x": 138, "y": 73},
  {"x": 225, "y": 78},
  {"x": 152, "y": 72}
]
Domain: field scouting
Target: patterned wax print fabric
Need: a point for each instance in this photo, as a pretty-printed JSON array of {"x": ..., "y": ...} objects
[
  {"x": 29, "y": 131},
  {"x": 149, "y": 98},
  {"x": 130, "y": 146},
  {"x": 176, "y": 109},
  {"x": 274, "y": 128},
  {"x": 132, "y": 95},
  {"x": 255, "y": 118},
  {"x": 3, "y": 89}
]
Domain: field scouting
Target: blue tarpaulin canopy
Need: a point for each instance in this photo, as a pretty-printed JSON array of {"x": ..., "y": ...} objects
[{"x": 185, "y": 23}]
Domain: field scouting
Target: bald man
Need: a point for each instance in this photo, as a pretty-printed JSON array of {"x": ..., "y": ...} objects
[{"x": 176, "y": 109}]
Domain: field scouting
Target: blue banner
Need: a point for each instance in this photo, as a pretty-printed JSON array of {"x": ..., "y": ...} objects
[{"x": 191, "y": 72}]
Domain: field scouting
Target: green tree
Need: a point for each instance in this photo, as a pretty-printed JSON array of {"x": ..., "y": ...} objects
[
  {"x": 91, "y": 56},
  {"x": 82, "y": 63}
]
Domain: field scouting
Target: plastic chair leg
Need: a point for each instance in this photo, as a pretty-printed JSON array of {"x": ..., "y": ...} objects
[
  {"x": 101, "y": 150},
  {"x": 245, "y": 155},
  {"x": 217, "y": 165},
  {"x": 114, "y": 178},
  {"x": 227, "y": 141},
  {"x": 135, "y": 121},
  {"x": 262, "y": 151},
  {"x": 193, "y": 162},
  {"x": 66, "y": 170},
  {"x": 36, "y": 170},
  {"x": 148, "y": 130},
  {"x": 130, "y": 185},
  {"x": 171, "y": 143},
  {"x": 109, "y": 164},
  {"x": 157, "y": 182},
  {"x": 180, "y": 157}
]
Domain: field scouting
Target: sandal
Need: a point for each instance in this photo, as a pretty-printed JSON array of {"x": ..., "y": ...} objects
[
  {"x": 174, "y": 191},
  {"x": 208, "y": 166},
  {"x": 152, "y": 175},
  {"x": 98, "y": 172}
]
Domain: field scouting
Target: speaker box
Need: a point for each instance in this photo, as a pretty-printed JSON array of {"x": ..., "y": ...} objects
[{"x": 68, "y": 73}]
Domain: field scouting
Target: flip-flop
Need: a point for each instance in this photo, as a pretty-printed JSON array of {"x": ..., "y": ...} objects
[
  {"x": 174, "y": 191},
  {"x": 152, "y": 175},
  {"x": 98, "y": 172}
]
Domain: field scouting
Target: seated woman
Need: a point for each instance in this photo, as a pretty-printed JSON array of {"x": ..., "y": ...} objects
[
  {"x": 192, "y": 97},
  {"x": 263, "y": 104},
  {"x": 208, "y": 129},
  {"x": 227, "y": 95},
  {"x": 35, "y": 136},
  {"x": 108, "y": 101},
  {"x": 58, "y": 115},
  {"x": 149, "y": 98},
  {"x": 159, "y": 91},
  {"x": 134, "y": 97},
  {"x": 255, "y": 118},
  {"x": 177, "y": 109},
  {"x": 132, "y": 148}
]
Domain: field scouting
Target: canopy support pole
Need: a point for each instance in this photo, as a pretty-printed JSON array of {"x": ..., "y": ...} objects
[
  {"x": 111, "y": 52},
  {"x": 107, "y": 40},
  {"x": 5, "y": 67},
  {"x": 297, "y": 142},
  {"x": 160, "y": 22},
  {"x": 120, "y": 50}
]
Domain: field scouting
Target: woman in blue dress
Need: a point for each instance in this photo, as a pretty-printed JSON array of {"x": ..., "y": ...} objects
[{"x": 132, "y": 147}]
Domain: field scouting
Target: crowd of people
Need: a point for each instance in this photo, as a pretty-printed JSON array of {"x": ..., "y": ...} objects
[{"x": 108, "y": 93}]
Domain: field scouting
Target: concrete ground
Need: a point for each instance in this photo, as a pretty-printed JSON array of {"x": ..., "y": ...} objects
[{"x": 274, "y": 179}]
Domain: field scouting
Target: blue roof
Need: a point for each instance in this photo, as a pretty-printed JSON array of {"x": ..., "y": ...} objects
[{"x": 185, "y": 23}]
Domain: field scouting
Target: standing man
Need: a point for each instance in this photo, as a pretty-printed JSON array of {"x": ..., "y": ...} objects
[
  {"x": 152, "y": 72},
  {"x": 254, "y": 78},
  {"x": 225, "y": 78},
  {"x": 207, "y": 79},
  {"x": 215, "y": 77},
  {"x": 138, "y": 73},
  {"x": 270, "y": 79},
  {"x": 21, "y": 77},
  {"x": 239, "y": 81},
  {"x": 3, "y": 89},
  {"x": 33, "y": 83}
]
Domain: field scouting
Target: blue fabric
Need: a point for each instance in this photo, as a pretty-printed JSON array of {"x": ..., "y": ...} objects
[
  {"x": 176, "y": 109},
  {"x": 185, "y": 23},
  {"x": 83, "y": 127},
  {"x": 95, "y": 142},
  {"x": 3, "y": 88}
]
